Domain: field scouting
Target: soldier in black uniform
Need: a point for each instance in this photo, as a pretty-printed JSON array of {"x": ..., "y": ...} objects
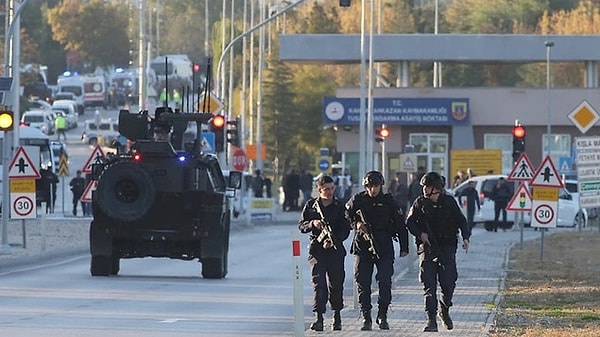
[
  {"x": 376, "y": 218},
  {"x": 435, "y": 219},
  {"x": 320, "y": 216}
]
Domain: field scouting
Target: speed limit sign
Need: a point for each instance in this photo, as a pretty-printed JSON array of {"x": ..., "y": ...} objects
[
  {"x": 23, "y": 206},
  {"x": 543, "y": 214}
]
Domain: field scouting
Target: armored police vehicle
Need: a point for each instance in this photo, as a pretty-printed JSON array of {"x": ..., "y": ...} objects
[{"x": 163, "y": 198}]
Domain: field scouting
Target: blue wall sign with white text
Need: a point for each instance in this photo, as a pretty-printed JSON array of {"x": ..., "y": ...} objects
[{"x": 398, "y": 111}]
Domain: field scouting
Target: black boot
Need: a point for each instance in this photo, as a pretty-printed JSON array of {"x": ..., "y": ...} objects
[
  {"x": 337, "y": 321},
  {"x": 382, "y": 319},
  {"x": 431, "y": 323},
  {"x": 367, "y": 321},
  {"x": 445, "y": 317},
  {"x": 317, "y": 325}
]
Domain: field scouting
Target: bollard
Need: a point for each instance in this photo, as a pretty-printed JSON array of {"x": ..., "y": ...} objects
[
  {"x": 24, "y": 232},
  {"x": 298, "y": 286},
  {"x": 43, "y": 227}
]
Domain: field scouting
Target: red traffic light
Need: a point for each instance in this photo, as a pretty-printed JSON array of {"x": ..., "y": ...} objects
[
  {"x": 196, "y": 67},
  {"x": 383, "y": 133},
  {"x": 518, "y": 131},
  {"x": 218, "y": 121}
]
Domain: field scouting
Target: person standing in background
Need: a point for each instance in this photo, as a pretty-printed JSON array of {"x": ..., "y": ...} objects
[
  {"x": 77, "y": 187},
  {"x": 306, "y": 185},
  {"x": 501, "y": 194},
  {"x": 472, "y": 198}
]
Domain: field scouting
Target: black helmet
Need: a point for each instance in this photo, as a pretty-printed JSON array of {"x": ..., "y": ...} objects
[
  {"x": 373, "y": 178},
  {"x": 433, "y": 179}
]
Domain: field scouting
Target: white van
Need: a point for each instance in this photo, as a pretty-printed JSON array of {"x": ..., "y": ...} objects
[
  {"x": 69, "y": 110},
  {"x": 69, "y": 82},
  {"x": 177, "y": 66}
]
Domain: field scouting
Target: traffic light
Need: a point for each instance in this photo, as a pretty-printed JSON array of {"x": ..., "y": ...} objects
[
  {"x": 345, "y": 3},
  {"x": 197, "y": 84},
  {"x": 233, "y": 132},
  {"x": 7, "y": 121},
  {"x": 518, "y": 133},
  {"x": 382, "y": 134},
  {"x": 217, "y": 126}
]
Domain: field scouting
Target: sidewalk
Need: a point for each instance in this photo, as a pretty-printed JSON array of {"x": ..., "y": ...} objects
[{"x": 481, "y": 276}]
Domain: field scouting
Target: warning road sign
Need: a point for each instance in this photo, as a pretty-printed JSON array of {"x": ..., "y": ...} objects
[
  {"x": 87, "y": 193},
  {"x": 21, "y": 166},
  {"x": 523, "y": 170},
  {"x": 546, "y": 175},
  {"x": 521, "y": 200},
  {"x": 96, "y": 157}
]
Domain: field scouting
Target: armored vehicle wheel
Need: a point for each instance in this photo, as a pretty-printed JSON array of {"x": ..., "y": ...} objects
[
  {"x": 101, "y": 266},
  {"x": 213, "y": 268},
  {"x": 125, "y": 191}
]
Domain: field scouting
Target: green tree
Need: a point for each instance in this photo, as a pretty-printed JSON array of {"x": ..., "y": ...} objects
[
  {"x": 96, "y": 30},
  {"x": 310, "y": 85},
  {"x": 280, "y": 116}
]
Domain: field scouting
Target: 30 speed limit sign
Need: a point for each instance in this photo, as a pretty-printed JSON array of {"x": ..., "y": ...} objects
[
  {"x": 543, "y": 214},
  {"x": 23, "y": 206}
]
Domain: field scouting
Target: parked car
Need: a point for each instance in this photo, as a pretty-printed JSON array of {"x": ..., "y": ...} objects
[
  {"x": 69, "y": 108},
  {"x": 103, "y": 133},
  {"x": 571, "y": 186},
  {"x": 41, "y": 119},
  {"x": 568, "y": 211}
]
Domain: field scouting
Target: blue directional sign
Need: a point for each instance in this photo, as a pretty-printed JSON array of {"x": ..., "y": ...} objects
[
  {"x": 398, "y": 111},
  {"x": 565, "y": 165},
  {"x": 324, "y": 164},
  {"x": 208, "y": 142}
]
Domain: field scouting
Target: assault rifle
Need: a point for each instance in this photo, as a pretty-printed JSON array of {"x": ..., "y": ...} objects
[
  {"x": 434, "y": 247},
  {"x": 368, "y": 236},
  {"x": 326, "y": 230}
]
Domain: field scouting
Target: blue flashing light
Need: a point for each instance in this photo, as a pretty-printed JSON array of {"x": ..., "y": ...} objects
[
  {"x": 181, "y": 158},
  {"x": 67, "y": 73}
]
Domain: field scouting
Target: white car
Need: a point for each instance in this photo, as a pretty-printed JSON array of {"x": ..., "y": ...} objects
[
  {"x": 568, "y": 211},
  {"x": 40, "y": 119},
  {"x": 572, "y": 187},
  {"x": 103, "y": 133}
]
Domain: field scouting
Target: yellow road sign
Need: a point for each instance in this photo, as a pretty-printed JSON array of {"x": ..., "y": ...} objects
[
  {"x": 210, "y": 105},
  {"x": 63, "y": 166},
  {"x": 22, "y": 185}
]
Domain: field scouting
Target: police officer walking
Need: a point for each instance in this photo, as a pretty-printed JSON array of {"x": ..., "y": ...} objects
[
  {"x": 376, "y": 218},
  {"x": 323, "y": 217},
  {"x": 435, "y": 219}
]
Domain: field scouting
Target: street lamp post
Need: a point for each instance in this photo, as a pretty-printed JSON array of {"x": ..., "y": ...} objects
[{"x": 549, "y": 45}]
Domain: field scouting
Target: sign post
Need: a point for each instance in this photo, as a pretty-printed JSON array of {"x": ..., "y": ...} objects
[{"x": 546, "y": 182}]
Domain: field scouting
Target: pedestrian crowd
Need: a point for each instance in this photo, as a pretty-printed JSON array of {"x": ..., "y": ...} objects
[{"x": 377, "y": 219}]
